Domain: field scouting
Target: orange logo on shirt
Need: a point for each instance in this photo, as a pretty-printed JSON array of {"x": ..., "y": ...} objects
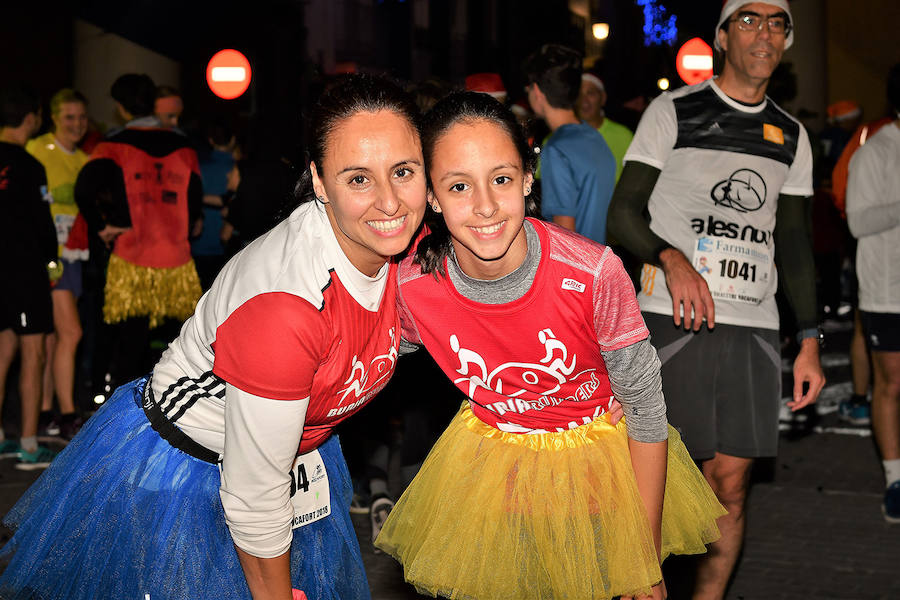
[
  {"x": 648, "y": 279},
  {"x": 773, "y": 134}
]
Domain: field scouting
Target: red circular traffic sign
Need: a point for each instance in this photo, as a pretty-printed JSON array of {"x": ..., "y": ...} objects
[
  {"x": 228, "y": 74},
  {"x": 694, "y": 61}
]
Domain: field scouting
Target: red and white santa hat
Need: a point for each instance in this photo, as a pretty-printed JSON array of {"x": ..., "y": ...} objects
[{"x": 486, "y": 83}]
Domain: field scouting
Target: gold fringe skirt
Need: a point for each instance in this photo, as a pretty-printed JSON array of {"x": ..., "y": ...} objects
[
  {"x": 135, "y": 291},
  {"x": 504, "y": 516}
]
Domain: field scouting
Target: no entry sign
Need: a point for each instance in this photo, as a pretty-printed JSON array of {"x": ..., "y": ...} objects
[
  {"x": 694, "y": 61},
  {"x": 228, "y": 74}
]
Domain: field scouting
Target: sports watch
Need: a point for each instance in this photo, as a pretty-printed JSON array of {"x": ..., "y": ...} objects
[{"x": 812, "y": 332}]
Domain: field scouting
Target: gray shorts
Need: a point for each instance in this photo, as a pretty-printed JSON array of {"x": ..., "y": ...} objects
[{"x": 722, "y": 387}]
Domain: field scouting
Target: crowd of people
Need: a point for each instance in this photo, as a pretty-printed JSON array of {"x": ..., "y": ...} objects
[{"x": 603, "y": 425}]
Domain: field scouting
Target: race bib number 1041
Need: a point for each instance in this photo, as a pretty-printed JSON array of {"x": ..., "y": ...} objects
[{"x": 735, "y": 270}]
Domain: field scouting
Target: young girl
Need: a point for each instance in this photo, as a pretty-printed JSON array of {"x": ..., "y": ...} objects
[
  {"x": 216, "y": 477},
  {"x": 531, "y": 493}
]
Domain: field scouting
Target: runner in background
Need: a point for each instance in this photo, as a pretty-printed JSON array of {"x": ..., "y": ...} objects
[{"x": 58, "y": 152}]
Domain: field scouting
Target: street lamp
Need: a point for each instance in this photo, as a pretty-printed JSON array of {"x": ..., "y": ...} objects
[
  {"x": 600, "y": 30},
  {"x": 662, "y": 83}
]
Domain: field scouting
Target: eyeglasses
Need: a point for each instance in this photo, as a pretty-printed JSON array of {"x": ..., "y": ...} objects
[{"x": 776, "y": 24}]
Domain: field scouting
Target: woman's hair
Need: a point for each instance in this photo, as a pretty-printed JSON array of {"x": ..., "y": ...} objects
[
  {"x": 65, "y": 96},
  {"x": 350, "y": 95},
  {"x": 463, "y": 107}
]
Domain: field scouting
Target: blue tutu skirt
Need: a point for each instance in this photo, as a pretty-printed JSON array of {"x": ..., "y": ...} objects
[{"x": 121, "y": 514}]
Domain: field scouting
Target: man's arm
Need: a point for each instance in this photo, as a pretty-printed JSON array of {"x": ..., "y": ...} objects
[
  {"x": 195, "y": 205},
  {"x": 794, "y": 258},
  {"x": 565, "y": 221},
  {"x": 100, "y": 195},
  {"x": 629, "y": 225}
]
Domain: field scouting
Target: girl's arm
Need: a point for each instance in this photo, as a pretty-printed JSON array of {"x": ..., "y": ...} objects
[
  {"x": 634, "y": 375},
  {"x": 649, "y": 463},
  {"x": 261, "y": 440}
]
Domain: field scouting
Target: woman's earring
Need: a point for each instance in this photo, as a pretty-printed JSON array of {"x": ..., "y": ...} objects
[
  {"x": 320, "y": 199},
  {"x": 528, "y": 191},
  {"x": 435, "y": 207}
]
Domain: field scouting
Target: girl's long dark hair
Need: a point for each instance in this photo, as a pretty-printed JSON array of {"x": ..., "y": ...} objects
[
  {"x": 463, "y": 107},
  {"x": 350, "y": 94}
]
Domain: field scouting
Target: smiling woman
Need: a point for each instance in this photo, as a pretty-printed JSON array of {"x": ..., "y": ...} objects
[
  {"x": 217, "y": 476},
  {"x": 373, "y": 200}
]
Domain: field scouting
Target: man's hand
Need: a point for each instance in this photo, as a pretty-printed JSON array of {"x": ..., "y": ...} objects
[
  {"x": 807, "y": 369},
  {"x": 688, "y": 289},
  {"x": 109, "y": 234},
  {"x": 197, "y": 228}
]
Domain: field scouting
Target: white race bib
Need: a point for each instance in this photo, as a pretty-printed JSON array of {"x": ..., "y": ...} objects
[
  {"x": 735, "y": 270},
  {"x": 63, "y": 224},
  {"x": 310, "y": 495}
]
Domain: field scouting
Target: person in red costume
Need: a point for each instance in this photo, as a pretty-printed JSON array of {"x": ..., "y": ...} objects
[
  {"x": 540, "y": 328},
  {"x": 141, "y": 193}
]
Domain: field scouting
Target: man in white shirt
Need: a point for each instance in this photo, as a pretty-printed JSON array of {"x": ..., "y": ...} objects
[
  {"x": 715, "y": 165},
  {"x": 873, "y": 213}
]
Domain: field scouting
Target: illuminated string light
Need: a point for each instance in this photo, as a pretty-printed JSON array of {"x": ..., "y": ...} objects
[{"x": 659, "y": 26}]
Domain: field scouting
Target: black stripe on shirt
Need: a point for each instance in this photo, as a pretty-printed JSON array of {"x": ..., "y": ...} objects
[{"x": 706, "y": 121}]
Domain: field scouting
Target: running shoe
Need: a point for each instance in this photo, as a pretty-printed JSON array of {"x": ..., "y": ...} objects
[
  {"x": 48, "y": 425},
  {"x": 855, "y": 411},
  {"x": 891, "y": 506},
  {"x": 33, "y": 461},
  {"x": 381, "y": 508},
  {"x": 10, "y": 449},
  {"x": 69, "y": 427}
]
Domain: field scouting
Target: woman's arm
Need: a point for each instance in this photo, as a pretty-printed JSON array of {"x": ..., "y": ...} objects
[
  {"x": 267, "y": 578},
  {"x": 261, "y": 440}
]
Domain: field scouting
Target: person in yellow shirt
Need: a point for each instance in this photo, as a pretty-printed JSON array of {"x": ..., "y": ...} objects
[
  {"x": 62, "y": 160},
  {"x": 589, "y": 106}
]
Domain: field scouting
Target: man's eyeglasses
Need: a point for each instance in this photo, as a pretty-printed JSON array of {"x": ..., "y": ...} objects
[{"x": 750, "y": 21}]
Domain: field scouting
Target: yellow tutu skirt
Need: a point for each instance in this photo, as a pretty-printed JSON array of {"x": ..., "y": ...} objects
[
  {"x": 135, "y": 291},
  {"x": 495, "y": 515}
]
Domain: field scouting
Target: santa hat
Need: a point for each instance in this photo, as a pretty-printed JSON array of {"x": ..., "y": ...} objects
[
  {"x": 844, "y": 110},
  {"x": 486, "y": 83}
]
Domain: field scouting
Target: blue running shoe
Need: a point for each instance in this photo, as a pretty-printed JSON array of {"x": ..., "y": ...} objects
[
  {"x": 10, "y": 449},
  {"x": 39, "y": 459},
  {"x": 891, "y": 506},
  {"x": 855, "y": 411}
]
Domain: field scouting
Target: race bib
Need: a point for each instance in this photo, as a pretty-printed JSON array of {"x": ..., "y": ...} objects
[
  {"x": 310, "y": 495},
  {"x": 63, "y": 224},
  {"x": 735, "y": 270}
]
